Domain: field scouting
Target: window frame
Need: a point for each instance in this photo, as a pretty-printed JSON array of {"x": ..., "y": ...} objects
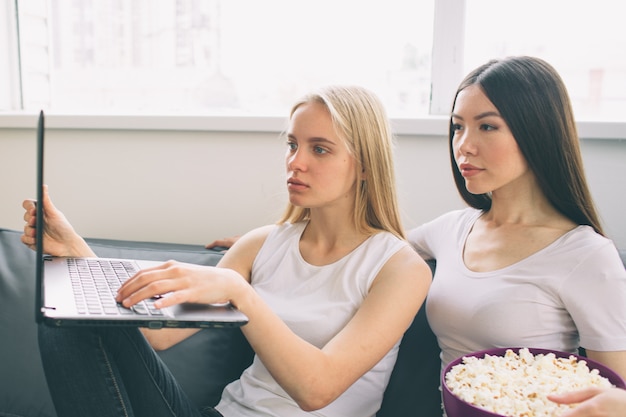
[
  {"x": 10, "y": 72},
  {"x": 429, "y": 126}
]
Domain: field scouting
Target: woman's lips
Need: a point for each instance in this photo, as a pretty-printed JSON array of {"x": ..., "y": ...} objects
[
  {"x": 295, "y": 184},
  {"x": 468, "y": 170}
]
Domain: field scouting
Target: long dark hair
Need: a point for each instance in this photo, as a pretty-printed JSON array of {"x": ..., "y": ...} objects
[{"x": 532, "y": 99}]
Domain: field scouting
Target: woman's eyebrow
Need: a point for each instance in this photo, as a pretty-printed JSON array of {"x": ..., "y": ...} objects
[
  {"x": 321, "y": 140},
  {"x": 487, "y": 114},
  {"x": 478, "y": 116},
  {"x": 314, "y": 139}
]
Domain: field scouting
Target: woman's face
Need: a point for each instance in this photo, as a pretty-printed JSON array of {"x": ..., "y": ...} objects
[
  {"x": 320, "y": 169},
  {"x": 485, "y": 150}
]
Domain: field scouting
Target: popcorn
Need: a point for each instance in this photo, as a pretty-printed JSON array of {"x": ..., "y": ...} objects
[{"x": 517, "y": 384}]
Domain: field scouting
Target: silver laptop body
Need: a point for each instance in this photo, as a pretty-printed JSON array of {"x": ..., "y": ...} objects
[{"x": 81, "y": 291}]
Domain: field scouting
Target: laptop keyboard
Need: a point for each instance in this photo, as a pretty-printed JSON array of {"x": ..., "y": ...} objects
[{"x": 95, "y": 283}]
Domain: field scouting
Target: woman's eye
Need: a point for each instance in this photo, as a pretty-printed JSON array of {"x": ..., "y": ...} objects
[
  {"x": 456, "y": 127},
  {"x": 292, "y": 146},
  {"x": 319, "y": 150},
  {"x": 487, "y": 127}
]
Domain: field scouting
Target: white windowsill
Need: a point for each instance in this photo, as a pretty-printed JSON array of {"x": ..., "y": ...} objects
[{"x": 429, "y": 126}]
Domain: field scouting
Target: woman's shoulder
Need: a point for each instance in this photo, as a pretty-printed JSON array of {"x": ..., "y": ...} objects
[
  {"x": 384, "y": 242},
  {"x": 586, "y": 246},
  {"x": 443, "y": 233},
  {"x": 259, "y": 233},
  {"x": 263, "y": 232},
  {"x": 277, "y": 237},
  {"x": 462, "y": 215},
  {"x": 452, "y": 219},
  {"x": 584, "y": 236}
]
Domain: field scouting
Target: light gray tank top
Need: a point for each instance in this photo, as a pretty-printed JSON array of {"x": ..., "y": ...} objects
[{"x": 315, "y": 302}]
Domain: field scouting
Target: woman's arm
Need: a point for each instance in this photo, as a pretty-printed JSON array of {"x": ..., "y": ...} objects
[
  {"x": 239, "y": 258},
  {"x": 223, "y": 243},
  {"x": 614, "y": 360},
  {"x": 314, "y": 377}
]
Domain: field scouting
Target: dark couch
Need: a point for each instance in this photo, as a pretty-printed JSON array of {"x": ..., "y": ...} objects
[{"x": 203, "y": 363}]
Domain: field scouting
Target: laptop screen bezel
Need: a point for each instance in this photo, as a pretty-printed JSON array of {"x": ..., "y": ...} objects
[{"x": 39, "y": 223}]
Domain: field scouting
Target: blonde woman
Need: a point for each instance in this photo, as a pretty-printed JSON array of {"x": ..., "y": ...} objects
[{"x": 329, "y": 290}]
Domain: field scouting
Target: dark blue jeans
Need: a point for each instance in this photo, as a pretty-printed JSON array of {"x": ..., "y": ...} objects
[{"x": 110, "y": 371}]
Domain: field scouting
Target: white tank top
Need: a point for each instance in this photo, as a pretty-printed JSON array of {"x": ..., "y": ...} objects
[{"x": 316, "y": 302}]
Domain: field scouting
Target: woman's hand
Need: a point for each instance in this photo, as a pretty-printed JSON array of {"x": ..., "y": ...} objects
[
  {"x": 224, "y": 243},
  {"x": 594, "y": 402},
  {"x": 175, "y": 283},
  {"x": 59, "y": 237}
]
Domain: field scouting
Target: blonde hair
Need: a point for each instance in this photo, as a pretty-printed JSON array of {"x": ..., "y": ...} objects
[{"x": 361, "y": 121}]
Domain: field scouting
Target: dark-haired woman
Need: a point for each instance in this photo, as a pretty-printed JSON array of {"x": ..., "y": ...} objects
[{"x": 527, "y": 263}]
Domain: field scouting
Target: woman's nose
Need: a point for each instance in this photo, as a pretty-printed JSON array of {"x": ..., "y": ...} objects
[
  {"x": 295, "y": 161},
  {"x": 465, "y": 145}
]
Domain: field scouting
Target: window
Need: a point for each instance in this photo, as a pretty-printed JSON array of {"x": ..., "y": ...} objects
[
  {"x": 225, "y": 57},
  {"x": 584, "y": 41},
  {"x": 251, "y": 58}
]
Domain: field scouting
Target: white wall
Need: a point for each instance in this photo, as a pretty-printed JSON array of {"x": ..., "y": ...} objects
[{"x": 192, "y": 187}]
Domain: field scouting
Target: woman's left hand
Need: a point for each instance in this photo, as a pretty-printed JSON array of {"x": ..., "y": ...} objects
[{"x": 594, "y": 402}]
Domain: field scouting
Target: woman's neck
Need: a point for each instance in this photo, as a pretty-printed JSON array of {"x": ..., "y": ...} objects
[
  {"x": 526, "y": 209},
  {"x": 521, "y": 202},
  {"x": 327, "y": 239}
]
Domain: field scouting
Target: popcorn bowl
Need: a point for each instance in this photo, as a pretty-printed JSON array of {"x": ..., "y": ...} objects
[{"x": 457, "y": 407}]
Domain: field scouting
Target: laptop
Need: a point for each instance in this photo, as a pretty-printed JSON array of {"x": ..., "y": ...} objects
[{"x": 81, "y": 291}]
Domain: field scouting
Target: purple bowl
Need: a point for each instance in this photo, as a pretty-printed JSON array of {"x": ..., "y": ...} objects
[{"x": 456, "y": 407}]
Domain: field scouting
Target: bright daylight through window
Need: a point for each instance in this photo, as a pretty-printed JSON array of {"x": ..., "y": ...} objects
[
  {"x": 253, "y": 58},
  {"x": 585, "y": 41},
  {"x": 223, "y": 57}
]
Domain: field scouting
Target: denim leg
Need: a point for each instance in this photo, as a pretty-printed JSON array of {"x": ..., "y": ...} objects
[{"x": 109, "y": 371}]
